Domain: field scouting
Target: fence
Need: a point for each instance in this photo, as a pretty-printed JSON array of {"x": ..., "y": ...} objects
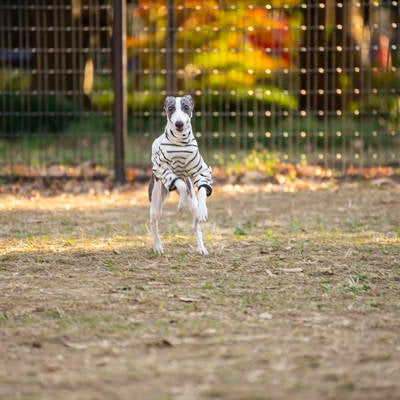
[{"x": 314, "y": 82}]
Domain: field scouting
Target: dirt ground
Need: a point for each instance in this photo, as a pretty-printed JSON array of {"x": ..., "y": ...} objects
[{"x": 298, "y": 299}]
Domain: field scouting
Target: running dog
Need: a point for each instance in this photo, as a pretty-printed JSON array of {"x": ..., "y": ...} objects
[{"x": 178, "y": 165}]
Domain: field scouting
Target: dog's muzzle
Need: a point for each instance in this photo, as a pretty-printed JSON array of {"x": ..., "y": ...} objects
[{"x": 179, "y": 125}]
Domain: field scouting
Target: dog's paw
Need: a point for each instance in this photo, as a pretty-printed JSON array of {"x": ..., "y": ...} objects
[
  {"x": 182, "y": 205},
  {"x": 158, "y": 248},
  {"x": 202, "y": 213},
  {"x": 202, "y": 250}
]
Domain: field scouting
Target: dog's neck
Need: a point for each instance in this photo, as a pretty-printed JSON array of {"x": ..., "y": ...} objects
[{"x": 180, "y": 138}]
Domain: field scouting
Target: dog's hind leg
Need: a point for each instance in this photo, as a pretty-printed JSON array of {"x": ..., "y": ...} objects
[
  {"x": 157, "y": 194},
  {"x": 193, "y": 207}
]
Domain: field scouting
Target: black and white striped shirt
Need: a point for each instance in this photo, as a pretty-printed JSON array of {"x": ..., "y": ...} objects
[{"x": 173, "y": 159}]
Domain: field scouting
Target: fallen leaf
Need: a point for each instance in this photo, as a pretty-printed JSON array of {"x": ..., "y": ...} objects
[
  {"x": 50, "y": 367},
  {"x": 130, "y": 174},
  {"x": 76, "y": 346},
  {"x": 55, "y": 170},
  {"x": 265, "y": 315},
  {"x": 292, "y": 270},
  {"x": 262, "y": 209},
  {"x": 301, "y": 184},
  {"x": 369, "y": 173},
  {"x": 325, "y": 271},
  {"x": 124, "y": 288},
  {"x": 383, "y": 181},
  {"x": 103, "y": 361},
  {"x": 162, "y": 343},
  {"x": 188, "y": 299}
]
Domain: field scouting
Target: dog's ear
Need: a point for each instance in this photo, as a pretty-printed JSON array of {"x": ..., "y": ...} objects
[
  {"x": 168, "y": 100},
  {"x": 189, "y": 100}
]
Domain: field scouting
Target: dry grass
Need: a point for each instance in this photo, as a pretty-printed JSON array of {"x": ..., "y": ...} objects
[{"x": 299, "y": 298}]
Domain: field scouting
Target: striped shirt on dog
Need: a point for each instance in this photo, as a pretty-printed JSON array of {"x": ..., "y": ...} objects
[{"x": 173, "y": 159}]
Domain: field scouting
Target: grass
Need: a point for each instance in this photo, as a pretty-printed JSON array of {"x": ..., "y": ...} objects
[
  {"x": 90, "y": 139},
  {"x": 299, "y": 297}
]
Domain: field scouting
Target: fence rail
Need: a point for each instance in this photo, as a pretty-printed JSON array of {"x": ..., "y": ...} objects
[{"x": 315, "y": 82}]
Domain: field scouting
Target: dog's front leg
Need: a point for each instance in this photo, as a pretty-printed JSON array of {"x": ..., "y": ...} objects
[
  {"x": 194, "y": 209},
  {"x": 201, "y": 249},
  {"x": 202, "y": 212}
]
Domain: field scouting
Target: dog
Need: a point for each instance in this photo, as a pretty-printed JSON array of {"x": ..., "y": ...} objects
[{"x": 178, "y": 165}]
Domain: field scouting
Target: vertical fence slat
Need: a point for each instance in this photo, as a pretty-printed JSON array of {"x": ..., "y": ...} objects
[
  {"x": 120, "y": 89},
  {"x": 170, "y": 48}
]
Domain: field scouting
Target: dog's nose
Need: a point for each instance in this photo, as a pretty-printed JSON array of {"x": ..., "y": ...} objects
[{"x": 179, "y": 124}]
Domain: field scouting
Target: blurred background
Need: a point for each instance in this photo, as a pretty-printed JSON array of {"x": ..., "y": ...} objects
[{"x": 305, "y": 81}]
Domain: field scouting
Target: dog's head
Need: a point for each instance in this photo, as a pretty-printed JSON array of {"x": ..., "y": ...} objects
[{"x": 179, "y": 112}]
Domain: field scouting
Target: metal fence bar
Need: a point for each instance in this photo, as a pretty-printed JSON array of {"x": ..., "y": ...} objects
[
  {"x": 120, "y": 88},
  {"x": 170, "y": 49}
]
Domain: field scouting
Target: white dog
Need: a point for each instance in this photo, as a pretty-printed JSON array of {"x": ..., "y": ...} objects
[{"x": 178, "y": 165}]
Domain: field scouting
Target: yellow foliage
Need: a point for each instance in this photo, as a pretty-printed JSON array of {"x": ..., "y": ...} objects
[
  {"x": 284, "y": 3},
  {"x": 231, "y": 79},
  {"x": 249, "y": 60}
]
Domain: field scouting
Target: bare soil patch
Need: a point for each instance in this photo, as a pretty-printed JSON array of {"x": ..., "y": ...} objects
[{"x": 298, "y": 299}]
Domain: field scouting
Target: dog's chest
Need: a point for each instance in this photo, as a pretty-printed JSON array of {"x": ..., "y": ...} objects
[{"x": 181, "y": 158}]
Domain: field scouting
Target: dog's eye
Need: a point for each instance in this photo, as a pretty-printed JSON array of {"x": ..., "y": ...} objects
[
  {"x": 185, "y": 108},
  {"x": 171, "y": 109}
]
